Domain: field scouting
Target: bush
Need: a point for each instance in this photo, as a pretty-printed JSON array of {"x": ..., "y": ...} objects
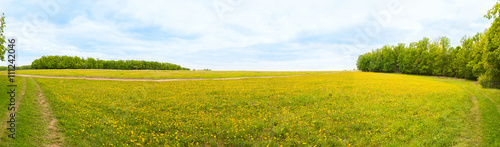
[{"x": 491, "y": 79}]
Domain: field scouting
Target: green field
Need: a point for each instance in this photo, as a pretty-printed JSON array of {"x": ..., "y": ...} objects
[{"x": 337, "y": 109}]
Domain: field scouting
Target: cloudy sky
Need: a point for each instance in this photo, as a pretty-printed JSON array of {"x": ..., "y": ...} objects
[{"x": 234, "y": 34}]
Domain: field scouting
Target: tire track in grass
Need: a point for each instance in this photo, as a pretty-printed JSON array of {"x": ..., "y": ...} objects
[
  {"x": 478, "y": 132},
  {"x": 54, "y": 138},
  {"x": 17, "y": 103},
  {"x": 493, "y": 101},
  {"x": 476, "y": 126},
  {"x": 490, "y": 111}
]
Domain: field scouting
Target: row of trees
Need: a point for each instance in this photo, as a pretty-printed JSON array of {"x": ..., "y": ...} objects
[
  {"x": 478, "y": 57},
  {"x": 24, "y": 67},
  {"x": 68, "y": 62},
  {"x": 425, "y": 57}
]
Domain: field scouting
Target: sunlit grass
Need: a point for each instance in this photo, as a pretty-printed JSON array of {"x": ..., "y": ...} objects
[{"x": 349, "y": 108}]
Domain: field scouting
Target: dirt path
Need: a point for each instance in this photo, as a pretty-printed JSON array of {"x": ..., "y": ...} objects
[
  {"x": 18, "y": 102},
  {"x": 160, "y": 80},
  {"x": 54, "y": 138},
  {"x": 476, "y": 119}
]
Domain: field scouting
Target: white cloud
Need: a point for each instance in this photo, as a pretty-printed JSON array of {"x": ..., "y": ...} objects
[
  {"x": 255, "y": 35},
  {"x": 251, "y": 22}
]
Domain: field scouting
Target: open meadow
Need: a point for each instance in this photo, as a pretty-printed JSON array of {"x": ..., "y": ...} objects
[
  {"x": 334, "y": 109},
  {"x": 363, "y": 73}
]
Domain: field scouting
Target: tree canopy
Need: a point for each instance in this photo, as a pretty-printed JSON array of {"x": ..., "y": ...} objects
[
  {"x": 3, "y": 49},
  {"x": 493, "y": 12}
]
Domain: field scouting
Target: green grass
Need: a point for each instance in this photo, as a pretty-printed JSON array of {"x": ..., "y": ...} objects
[
  {"x": 489, "y": 104},
  {"x": 342, "y": 109},
  {"x": 490, "y": 116},
  {"x": 4, "y": 104},
  {"x": 160, "y": 74},
  {"x": 351, "y": 108},
  {"x": 30, "y": 125}
]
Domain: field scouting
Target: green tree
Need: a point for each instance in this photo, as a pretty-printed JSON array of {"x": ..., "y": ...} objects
[
  {"x": 3, "y": 49},
  {"x": 493, "y": 12},
  {"x": 442, "y": 57},
  {"x": 388, "y": 59},
  {"x": 397, "y": 52},
  {"x": 421, "y": 65},
  {"x": 491, "y": 56},
  {"x": 91, "y": 63},
  {"x": 362, "y": 62}
]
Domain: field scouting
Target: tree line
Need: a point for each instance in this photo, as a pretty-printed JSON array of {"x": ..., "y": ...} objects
[
  {"x": 24, "y": 67},
  {"x": 69, "y": 62},
  {"x": 477, "y": 58}
]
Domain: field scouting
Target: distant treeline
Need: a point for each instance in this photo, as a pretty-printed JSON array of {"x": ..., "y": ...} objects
[
  {"x": 68, "y": 62},
  {"x": 478, "y": 58},
  {"x": 17, "y": 67}
]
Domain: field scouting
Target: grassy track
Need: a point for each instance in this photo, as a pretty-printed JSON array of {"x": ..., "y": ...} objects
[
  {"x": 488, "y": 100},
  {"x": 489, "y": 110},
  {"x": 158, "y": 74},
  {"x": 30, "y": 127},
  {"x": 348, "y": 108}
]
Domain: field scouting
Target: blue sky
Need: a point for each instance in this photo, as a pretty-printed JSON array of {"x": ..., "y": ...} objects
[{"x": 268, "y": 35}]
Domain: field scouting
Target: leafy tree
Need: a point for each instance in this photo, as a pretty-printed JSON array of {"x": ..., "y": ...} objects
[
  {"x": 363, "y": 62},
  {"x": 91, "y": 63},
  {"x": 491, "y": 78},
  {"x": 388, "y": 59},
  {"x": 3, "y": 49},
  {"x": 493, "y": 12},
  {"x": 397, "y": 52}
]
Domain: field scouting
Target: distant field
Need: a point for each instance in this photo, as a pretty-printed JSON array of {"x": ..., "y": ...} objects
[
  {"x": 160, "y": 74},
  {"x": 343, "y": 109}
]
